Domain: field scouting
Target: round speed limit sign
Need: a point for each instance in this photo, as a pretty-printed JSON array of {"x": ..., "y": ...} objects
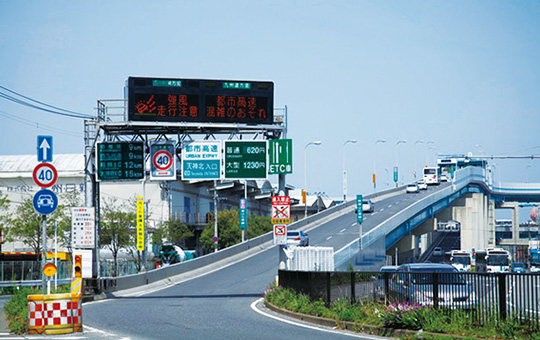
[
  {"x": 45, "y": 175},
  {"x": 163, "y": 160}
]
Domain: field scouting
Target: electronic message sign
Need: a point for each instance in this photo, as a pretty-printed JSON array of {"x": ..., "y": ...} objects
[
  {"x": 200, "y": 100},
  {"x": 245, "y": 159},
  {"x": 120, "y": 160}
]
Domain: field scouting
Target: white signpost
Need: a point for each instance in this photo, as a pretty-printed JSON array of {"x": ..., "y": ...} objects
[
  {"x": 280, "y": 234},
  {"x": 82, "y": 227}
]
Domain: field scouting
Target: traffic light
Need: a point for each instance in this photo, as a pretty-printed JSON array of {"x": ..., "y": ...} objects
[{"x": 77, "y": 266}]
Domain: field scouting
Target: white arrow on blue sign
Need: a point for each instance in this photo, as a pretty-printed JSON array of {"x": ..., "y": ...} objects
[
  {"x": 44, "y": 149},
  {"x": 45, "y": 202}
]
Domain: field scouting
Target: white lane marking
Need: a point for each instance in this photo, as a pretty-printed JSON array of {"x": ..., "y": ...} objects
[
  {"x": 342, "y": 230},
  {"x": 95, "y": 330},
  {"x": 301, "y": 324},
  {"x": 390, "y": 206},
  {"x": 329, "y": 237},
  {"x": 352, "y": 225}
]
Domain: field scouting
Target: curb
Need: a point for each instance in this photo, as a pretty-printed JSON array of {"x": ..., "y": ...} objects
[{"x": 352, "y": 326}]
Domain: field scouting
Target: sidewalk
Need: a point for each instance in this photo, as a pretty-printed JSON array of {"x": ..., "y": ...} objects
[{"x": 4, "y": 329}]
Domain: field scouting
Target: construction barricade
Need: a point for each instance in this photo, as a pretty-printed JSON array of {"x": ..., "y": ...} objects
[{"x": 54, "y": 314}]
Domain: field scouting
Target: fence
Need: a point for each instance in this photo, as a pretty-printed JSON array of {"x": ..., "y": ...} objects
[
  {"x": 486, "y": 296},
  {"x": 29, "y": 270}
]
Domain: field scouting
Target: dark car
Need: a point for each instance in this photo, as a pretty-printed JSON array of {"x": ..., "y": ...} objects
[{"x": 415, "y": 283}]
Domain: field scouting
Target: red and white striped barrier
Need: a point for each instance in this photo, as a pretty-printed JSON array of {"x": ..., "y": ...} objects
[{"x": 54, "y": 314}]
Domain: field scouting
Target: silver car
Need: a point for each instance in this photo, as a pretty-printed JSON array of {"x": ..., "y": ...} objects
[
  {"x": 297, "y": 238},
  {"x": 415, "y": 283}
]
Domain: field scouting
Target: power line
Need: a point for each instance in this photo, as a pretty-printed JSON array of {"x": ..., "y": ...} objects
[
  {"x": 38, "y": 125},
  {"x": 29, "y": 102}
]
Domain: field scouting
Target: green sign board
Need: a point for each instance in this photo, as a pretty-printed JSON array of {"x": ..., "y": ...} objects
[
  {"x": 245, "y": 159},
  {"x": 280, "y": 156},
  {"x": 120, "y": 160},
  {"x": 359, "y": 209}
]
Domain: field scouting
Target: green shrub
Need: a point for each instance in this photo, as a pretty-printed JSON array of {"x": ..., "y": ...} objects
[{"x": 16, "y": 308}]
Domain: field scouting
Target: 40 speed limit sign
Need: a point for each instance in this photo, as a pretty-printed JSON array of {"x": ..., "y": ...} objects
[
  {"x": 163, "y": 162},
  {"x": 45, "y": 175}
]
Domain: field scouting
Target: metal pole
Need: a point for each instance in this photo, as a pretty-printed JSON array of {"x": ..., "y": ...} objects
[
  {"x": 55, "y": 257},
  {"x": 215, "y": 216},
  {"x": 43, "y": 253},
  {"x": 144, "y": 223},
  {"x": 245, "y": 197}
]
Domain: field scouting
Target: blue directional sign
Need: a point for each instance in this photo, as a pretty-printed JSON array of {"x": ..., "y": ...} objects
[
  {"x": 45, "y": 202},
  {"x": 45, "y": 149}
]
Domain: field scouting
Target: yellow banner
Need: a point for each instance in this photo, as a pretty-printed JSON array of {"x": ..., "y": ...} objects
[{"x": 140, "y": 223}]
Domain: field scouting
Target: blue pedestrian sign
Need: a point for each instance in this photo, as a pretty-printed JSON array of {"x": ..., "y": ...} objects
[
  {"x": 45, "y": 202},
  {"x": 44, "y": 149}
]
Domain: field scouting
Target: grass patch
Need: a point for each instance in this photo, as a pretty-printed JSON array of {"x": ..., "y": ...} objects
[
  {"x": 448, "y": 323},
  {"x": 16, "y": 308}
]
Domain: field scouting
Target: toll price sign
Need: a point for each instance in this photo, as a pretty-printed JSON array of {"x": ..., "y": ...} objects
[
  {"x": 163, "y": 161},
  {"x": 83, "y": 225},
  {"x": 120, "y": 161},
  {"x": 280, "y": 234},
  {"x": 245, "y": 159},
  {"x": 281, "y": 209},
  {"x": 201, "y": 160}
]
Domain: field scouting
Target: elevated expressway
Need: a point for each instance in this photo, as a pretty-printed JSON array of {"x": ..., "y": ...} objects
[{"x": 211, "y": 297}]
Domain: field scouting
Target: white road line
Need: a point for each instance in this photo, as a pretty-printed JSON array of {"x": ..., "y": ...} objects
[
  {"x": 342, "y": 230},
  {"x": 329, "y": 237},
  {"x": 253, "y": 306},
  {"x": 352, "y": 225}
]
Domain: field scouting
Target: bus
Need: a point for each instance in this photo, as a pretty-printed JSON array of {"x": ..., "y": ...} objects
[
  {"x": 432, "y": 175},
  {"x": 493, "y": 260},
  {"x": 460, "y": 259}
]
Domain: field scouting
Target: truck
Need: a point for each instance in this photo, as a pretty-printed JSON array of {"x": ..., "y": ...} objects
[
  {"x": 460, "y": 259},
  {"x": 534, "y": 256},
  {"x": 493, "y": 260},
  {"x": 169, "y": 254}
]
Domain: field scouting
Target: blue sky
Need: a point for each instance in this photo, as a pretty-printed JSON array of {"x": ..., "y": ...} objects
[{"x": 463, "y": 75}]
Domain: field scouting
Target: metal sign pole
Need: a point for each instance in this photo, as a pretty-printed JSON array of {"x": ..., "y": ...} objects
[
  {"x": 43, "y": 253},
  {"x": 215, "y": 217}
]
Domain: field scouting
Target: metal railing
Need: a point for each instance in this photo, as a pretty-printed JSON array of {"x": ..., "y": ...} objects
[{"x": 486, "y": 297}]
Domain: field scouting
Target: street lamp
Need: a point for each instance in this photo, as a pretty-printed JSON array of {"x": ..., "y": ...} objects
[
  {"x": 396, "y": 174},
  {"x": 317, "y": 143},
  {"x": 375, "y": 163},
  {"x": 416, "y": 156},
  {"x": 344, "y": 171},
  {"x": 426, "y": 150}
]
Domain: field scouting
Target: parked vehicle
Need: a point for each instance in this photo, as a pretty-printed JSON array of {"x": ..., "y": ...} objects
[
  {"x": 415, "y": 282},
  {"x": 385, "y": 273},
  {"x": 368, "y": 206},
  {"x": 518, "y": 267},
  {"x": 412, "y": 188},
  {"x": 297, "y": 238}
]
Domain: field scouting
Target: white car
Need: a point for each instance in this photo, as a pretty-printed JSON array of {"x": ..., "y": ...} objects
[
  {"x": 412, "y": 188},
  {"x": 422, "y": 185},
  {"x": 444, "y": 178},
  {"x": 367, "y": 206}
]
